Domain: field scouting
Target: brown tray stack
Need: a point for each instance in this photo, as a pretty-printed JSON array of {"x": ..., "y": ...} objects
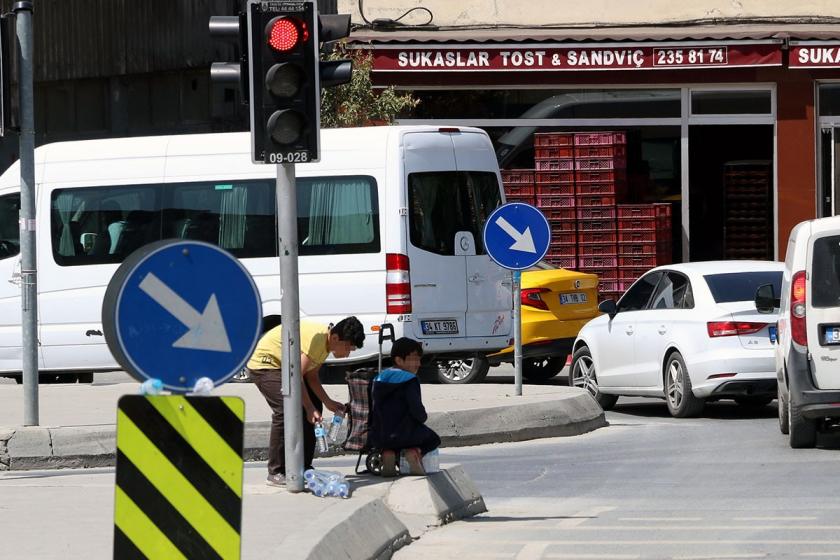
[{"x": 747, "y": 231}]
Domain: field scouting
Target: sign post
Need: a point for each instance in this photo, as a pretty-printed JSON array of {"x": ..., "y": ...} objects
[{"x": 517, "y": 237}]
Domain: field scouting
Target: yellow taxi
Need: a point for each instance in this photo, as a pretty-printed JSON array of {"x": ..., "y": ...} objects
[{"x": 556, "y": 303}]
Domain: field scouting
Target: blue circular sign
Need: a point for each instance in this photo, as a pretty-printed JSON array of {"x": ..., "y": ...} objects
[
  {"x": 517, "y": 236},
  {"x": 181, "y": 310}
]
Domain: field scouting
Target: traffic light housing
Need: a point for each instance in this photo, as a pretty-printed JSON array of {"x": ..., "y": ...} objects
[
  {"x": 284, "y": 81},
  {"x": 234, "y": 29}
]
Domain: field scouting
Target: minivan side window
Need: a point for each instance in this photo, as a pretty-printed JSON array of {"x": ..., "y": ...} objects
[
  {"x": 825, "y": 276},
  {"x": 9, "y": 230},
  {"x": 442, "y": 203},
  {"x": 94, "y": 225}
]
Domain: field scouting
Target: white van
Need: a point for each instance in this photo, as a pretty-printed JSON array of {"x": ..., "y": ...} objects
[
  {"x": 808, "y": 347},
  {"x": 389, "y": 224}
]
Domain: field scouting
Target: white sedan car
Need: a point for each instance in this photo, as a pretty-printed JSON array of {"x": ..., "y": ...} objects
[{"x": 686, "y": 332}]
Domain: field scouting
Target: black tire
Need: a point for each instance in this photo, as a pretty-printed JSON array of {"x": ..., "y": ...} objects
[
  {"x": 85, "y": 377},
  {"x": 542, "y": 369},
  {"x": 19, "y": 379},
  {"x": 754, "y": 402},
  {"x": 802, "y": 432},
  {"x": 678, "y": 394},
  {"x": 784, "y": 421},
  {"x": 463, "y": 371},
  {"x": 582, "y": 375}
]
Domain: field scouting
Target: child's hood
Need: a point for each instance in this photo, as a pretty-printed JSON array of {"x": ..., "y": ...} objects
[{"x": 394, "y": 378}]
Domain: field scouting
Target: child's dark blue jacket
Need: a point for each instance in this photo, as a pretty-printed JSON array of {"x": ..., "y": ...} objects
[{"x": 398, "y": 411}]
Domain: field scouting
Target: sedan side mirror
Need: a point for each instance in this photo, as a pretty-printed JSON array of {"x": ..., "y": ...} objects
[
  {"x": 765, "y": 299},
  {"x": 608, "y": 306}
]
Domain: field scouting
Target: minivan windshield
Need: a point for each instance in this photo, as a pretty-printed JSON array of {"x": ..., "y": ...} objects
[
  {"x": 9, "y": 231},
  {"x": 741, "y": 286},
  {"x": 825, "y": 278}
]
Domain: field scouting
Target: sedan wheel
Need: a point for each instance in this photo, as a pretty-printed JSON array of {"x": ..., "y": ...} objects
[
  {"x": 471, "y": 370},
  {"x": 681, "y": 400},
  {"x": 583, "y": 376}
]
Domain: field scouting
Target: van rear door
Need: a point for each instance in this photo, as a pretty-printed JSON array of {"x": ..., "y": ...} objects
[{"x": 823, "y": 305}]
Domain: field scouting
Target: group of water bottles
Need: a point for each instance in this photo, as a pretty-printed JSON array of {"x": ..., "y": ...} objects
[{"x": 327, "y": 483}]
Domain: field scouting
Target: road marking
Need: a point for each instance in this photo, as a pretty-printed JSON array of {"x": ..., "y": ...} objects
[
  {"x": 584, "y": 515},
  {"x": 532, "y": 551},
  {"x": 604, "y": 556},
  {"x": 717, "y": 556},
  {"x": 774, "y": 518},
  {"x": 660, "y": 519},
  {"x": 610, "y": 542},
  {"x": 833, "y": 554}
]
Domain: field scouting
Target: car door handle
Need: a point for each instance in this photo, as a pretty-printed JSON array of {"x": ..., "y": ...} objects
[
  {"x": 629, "y": 330},
  {"x": 662, "y": 329}
]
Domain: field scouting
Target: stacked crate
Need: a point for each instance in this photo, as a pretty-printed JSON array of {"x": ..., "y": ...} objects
[
  {"x": 748, "y": 232},
  {"x": 519, "y": 185},
  {"x": 644, "y": 240},
  {"x": 555, "y": 194},
  {"x": 600, "y": 182}
]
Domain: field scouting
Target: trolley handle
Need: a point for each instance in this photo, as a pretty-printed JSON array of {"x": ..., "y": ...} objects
[{"x": 382, "y": 336}]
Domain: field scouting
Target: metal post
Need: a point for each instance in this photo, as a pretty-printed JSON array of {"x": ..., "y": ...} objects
[
  {"x": 29, "y": 270},
  {"x": 293, "y": 423},
  {"x": 517, "y": 330}
]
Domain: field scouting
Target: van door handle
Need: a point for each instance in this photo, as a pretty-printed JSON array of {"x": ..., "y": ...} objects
[
  {"x": 476, "y": 278},
  {"x": 92, "y": 332},
  {"x": 662, "y": 329},
  {"x": 425, "y": 285}
]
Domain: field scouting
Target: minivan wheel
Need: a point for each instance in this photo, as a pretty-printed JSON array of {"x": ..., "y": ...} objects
[
  {"x": 582, "y": 375},
  {"x": 678, "y": 394},
  {"x": 469, "y": 370},
  {"x": 542, "y": 369},
  {"x": 784, "y": 427},
  {"x": 802, "y": 432}
]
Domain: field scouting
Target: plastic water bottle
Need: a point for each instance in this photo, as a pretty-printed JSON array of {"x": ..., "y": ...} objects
[
  {"x": 151, "y": 387},
  {"x": 321, "y": 437},
  {"x": 335, "y": 426},
  {"x": 343, "y": 490}
]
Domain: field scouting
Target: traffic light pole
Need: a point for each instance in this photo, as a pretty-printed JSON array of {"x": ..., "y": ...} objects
[
  {"x": 293, "y": 421},
  {"x": 28, "y": 262}
]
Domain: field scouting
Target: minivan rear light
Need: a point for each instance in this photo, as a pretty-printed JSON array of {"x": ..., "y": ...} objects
[
  {"x": 732, "y": 328},
  {"x": 531, "y": 298},
  {"x": 449, "y": 129},
  {"x": 798, "y": 330},
  {"x": 397, "y": 284}
]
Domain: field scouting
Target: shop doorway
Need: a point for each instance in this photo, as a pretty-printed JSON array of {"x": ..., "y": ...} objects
[
  {"x": 730, "y": 190},
  {"x": 829, "y": 201}
]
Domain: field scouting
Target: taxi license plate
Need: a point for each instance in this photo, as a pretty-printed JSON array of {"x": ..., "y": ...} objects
[
  {"x": 439, "y": 327},
  {"x": 575, "y": 297},
  {"x": 831, "y": 335}
]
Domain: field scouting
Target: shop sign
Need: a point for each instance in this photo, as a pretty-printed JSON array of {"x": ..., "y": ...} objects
[
  {"x": 471, "y": 58},
  {"x": 814, "y": 56}
]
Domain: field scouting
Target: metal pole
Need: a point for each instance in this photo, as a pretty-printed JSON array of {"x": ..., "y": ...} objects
[
  {"x": 293, "y": 423},
  {"x": 29, "y": 270},
  {"x": 517, "y": 331}
]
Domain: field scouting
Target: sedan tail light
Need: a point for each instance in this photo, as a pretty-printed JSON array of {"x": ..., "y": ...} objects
[
  {"x": 732, "y": 328},
  {"x": 531, "y": 298},
  {"x": 798, "y": 329}
]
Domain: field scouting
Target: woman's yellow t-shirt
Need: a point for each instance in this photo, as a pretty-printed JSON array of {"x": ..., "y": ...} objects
[{"x": 313, "y": 343}]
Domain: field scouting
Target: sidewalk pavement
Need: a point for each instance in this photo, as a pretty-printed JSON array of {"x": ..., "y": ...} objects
[{"x": 77, "y": 430}]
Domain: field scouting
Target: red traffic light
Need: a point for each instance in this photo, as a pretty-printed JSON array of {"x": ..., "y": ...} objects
[{"x": 285, "y": 33}]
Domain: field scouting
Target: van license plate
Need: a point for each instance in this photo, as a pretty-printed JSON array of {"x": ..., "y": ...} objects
[
  {"x": 439, "y": 327},
  {"x": 575, "y": 297},
  {"x": 831, "y": 335}
]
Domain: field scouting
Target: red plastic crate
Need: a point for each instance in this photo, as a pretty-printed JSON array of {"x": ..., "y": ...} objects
[
  {"x": 609, "y": 286},
  {"x": 544, "y": 201},
  {"x": 638, "y": 224},
  {"x": 519, "y": 190},
  {"x": 631, "y": 274},
  {"x": 559, "y": 189},
  {"x": 629, "y": 236},
  {"x": 600, "y": 138},
  {"x": 554, "y": 139},
  {"x": 624, "y": 285},
  {"x": 614, "y": 188},
  {"x": 637, "y": 249},
  {"x": 644, "y": 210},
  {"x": 597, "y": 250},
  {"x": 526, "y": 198},
  {"x": 549, "y": 152},
  {"x": 554, "y": 177},
  {"x": 559, "y": 214},
  {"x": 604, "y": 296},
  {"x": 600, "y": 164},
  {"x": 563, "y": 239},
  {"x": 596, "y": 225},
  {"x": 596, "y": 261},
  {"x": 562, "y": 262},
  {"x": 562, "y": 226},
  {"x": 634, "y": 261},
  {"x": 588, "y": 201},
  {"x": 604, "y": 273},
  {"x": 604, "y": 151},
  {"x": 554, "y": 164},
  {"x": 517, "y": 176},
  {"x": 596, "y": 237},
  {"x": 595, "y": 176},
  {"x": 597, "y": 213}
]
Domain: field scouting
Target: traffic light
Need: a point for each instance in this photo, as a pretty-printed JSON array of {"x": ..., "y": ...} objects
[
  {"x": 333, "y": 27},
  {"x": 231, "y": 28},
  {"x": 284, "y": 81}
]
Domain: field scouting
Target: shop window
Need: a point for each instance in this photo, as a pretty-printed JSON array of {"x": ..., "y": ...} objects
[
  {"x": 829, "y": 100},
  {"x": 753, "y": 102}
]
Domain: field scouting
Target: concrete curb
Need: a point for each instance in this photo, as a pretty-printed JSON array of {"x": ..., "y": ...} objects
[{"x": 94, "y": 446}]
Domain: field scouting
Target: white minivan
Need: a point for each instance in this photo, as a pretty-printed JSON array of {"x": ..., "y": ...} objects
[
  {"x": 389, "y": 226},
  {"x": 808, "y": 347}
]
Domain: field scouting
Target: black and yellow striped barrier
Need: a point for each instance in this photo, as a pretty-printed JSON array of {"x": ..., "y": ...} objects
[{"x": 179, "y": 477}]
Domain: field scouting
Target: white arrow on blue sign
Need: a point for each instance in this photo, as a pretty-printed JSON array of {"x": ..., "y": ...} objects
[
  {"x": 181, "y": 310},
  {"x": 517, "y": 236}
]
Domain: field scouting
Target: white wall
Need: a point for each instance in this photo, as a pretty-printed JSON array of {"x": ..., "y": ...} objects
[{"x": 546, "y": 12}]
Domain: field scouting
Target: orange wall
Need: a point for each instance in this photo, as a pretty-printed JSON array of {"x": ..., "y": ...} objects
[{"x": 796, "y": 148}]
